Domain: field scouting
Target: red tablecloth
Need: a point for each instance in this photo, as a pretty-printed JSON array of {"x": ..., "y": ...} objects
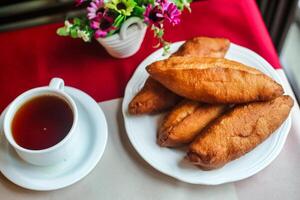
[{"x": 31, "y": 57}]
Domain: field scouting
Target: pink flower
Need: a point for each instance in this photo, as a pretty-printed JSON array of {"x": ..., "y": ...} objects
[
  {"x": 79, "y": 2},
  {"x": 171, "y": 13},
  {"x": 162, "y": 10},
  {"x": 95, "y": 9},
  {"x": 95, "y": 23},
  {"x": 154, "y": 15},
  {"x": 102, "y": 26},
  {"x": 161, "y": 2}
]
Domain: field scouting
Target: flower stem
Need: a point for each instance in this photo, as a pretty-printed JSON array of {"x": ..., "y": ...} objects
[{"x": 159, "y": 33}]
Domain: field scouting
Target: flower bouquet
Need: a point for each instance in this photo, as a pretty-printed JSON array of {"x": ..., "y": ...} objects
[{"x": 120, "y": 25}]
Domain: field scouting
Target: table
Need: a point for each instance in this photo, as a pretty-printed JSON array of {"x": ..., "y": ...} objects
[{"x": 121, "y": 173}]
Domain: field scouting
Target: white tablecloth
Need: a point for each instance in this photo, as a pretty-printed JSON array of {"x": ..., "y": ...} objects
[{"x": 123, "y": 174}]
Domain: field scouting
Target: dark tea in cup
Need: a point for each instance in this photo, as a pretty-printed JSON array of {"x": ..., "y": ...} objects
[{"x": 42, "y": 122}]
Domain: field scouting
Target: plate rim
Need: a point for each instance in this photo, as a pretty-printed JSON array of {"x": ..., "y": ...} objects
[
  {"x": 100, "y": 149},
  {"x": 272, "y": 155}
]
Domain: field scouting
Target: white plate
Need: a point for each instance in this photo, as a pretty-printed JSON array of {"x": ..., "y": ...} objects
[
  {"x": 90, "y": 144},
  {"x": 141, "y": 131}
]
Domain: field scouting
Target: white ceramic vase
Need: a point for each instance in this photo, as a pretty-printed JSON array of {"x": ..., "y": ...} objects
[{"x": 128, "y": 41}]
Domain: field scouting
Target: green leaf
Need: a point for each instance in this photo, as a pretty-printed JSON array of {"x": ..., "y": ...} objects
[
  {"x": 62, "y": 31},
  {"x": 138, "y": 11},
  {"x": 181, "y": 4},
  {"x": 144, "y": 2},
  {"x": 84, "y": 23},
  {"x": 119, "y": 21},
  {"x": 77, "y": 21},
  {"x": 166, "y": 48},
  {"x": 73, "y": 32},
  {"x": 160, "y": 33}
]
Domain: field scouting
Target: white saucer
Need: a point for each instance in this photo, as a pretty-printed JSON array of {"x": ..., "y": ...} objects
[
  {"x": 91, "y": 143},
  {"x": 141, "y": 131}
]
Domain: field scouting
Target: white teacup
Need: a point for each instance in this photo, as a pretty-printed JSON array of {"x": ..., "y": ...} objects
[{"x": 56, "y": 153}]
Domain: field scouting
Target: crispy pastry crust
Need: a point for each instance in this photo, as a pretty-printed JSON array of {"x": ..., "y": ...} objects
[
  {"x": 238, "y": 132},
  {"x": 204, "y": 47},
  {"x": 185, "y": 122},
  {"x": 152, "y": 98},
  {"x": 214, "y": 80}
]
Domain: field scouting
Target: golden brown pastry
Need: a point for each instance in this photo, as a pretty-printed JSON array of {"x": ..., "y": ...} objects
[
  {"x": 238, "y": 132},
  {"x": 204, "y": 47},
  {"x": 185, "y": 122},
  {"x": 154, "y": 97},
  {"x": 149, "y": 99},
  {"x": 214, "y": 80}
]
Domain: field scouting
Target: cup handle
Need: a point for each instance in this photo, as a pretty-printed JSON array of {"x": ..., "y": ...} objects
[
  {"x": 57, "y": 83},
  {"x": 129, "y": 22}
]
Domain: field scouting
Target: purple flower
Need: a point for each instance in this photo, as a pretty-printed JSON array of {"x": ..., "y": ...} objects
[
  {"x": 102, "y": 25},
  {"x": 95, "y": 9},
  {"x": 79, "y": 2},
  {"x": 154, "y": 15},
  {"x": 171, "y": 13}
]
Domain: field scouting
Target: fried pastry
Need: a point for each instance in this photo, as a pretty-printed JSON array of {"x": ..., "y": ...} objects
[
  {"x": 185, "y": 121},
  {"x": 238, "y": 132},
  {"x": 214, "y": 80},
  {"x": 204, "y": 47},
  {"x": 149, "y": 99},
  {"x": 154, "y": 97}
]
